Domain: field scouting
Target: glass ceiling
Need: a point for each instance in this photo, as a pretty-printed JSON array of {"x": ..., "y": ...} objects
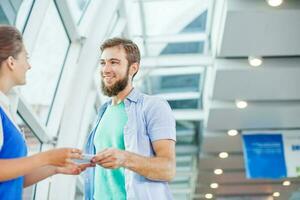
[{"x": 168, "y": 26}]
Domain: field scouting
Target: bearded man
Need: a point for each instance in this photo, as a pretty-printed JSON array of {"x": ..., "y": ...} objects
[{"x": 134, "y": 135}]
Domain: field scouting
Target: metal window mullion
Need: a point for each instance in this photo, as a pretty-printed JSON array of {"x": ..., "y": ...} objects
[{"x": 32, "y": 121}]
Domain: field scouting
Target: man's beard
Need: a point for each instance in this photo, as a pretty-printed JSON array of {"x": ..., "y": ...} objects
[{"x": 115, "y": 88}]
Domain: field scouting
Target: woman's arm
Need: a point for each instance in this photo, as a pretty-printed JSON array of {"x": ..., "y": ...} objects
[
  {"x": 39, "y": 174},
  {"x": 13, "y": 168},
  {"x": 46, "y": 171}
]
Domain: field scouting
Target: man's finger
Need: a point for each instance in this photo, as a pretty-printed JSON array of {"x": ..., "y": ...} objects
[
  {"x": 108, "y": 165},
  {"x": 106, "y": 160},
  {"x": 101, "y": 156}
]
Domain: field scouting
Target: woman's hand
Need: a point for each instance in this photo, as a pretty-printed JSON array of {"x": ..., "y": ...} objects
[
  {"x": 73, "y": 169},
  {"x": 62, "y": 156}
]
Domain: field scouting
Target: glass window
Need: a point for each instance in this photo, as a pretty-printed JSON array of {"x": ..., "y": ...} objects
[
  {"x": 184, "y": 104},
  {"x": 34, "y": 146},
  {"x": 183, "y": 48},
  {"x": 175, "y": 83},
  {"x": 77, "y": 8},
  {"x": 3, "y": 18},
  {"x": 160, "y": 18},
  {"x": 197, "y": 25},
  {"x": 113, "y": 23},
  {"x": 156, "y": 49},
  {"x": 23, "y": 13},
  {"x": 187, "y": 132},
  {"x": 7, "y": 12},
  {"x": 15, "y": 4},
  {"x": 47, "y": 61},
  {"x": 168, "y": 18}
]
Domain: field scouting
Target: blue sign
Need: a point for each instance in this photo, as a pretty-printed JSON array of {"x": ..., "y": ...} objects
[{"x": 264, "y": 156}]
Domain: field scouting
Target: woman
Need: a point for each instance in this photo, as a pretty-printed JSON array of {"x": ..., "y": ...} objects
[{"x": 16, "y": 169}]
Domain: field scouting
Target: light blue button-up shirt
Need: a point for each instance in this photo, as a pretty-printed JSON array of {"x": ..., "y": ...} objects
[{"x": 149, "y": 119}]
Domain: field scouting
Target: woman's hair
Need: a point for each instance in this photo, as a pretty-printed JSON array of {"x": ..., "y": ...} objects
[{"x": 11, "y": 42}]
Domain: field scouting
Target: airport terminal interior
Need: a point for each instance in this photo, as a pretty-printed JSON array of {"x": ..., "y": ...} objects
[{"x": 226, "y": 67}]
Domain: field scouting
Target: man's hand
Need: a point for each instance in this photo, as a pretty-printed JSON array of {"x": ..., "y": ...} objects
[
  {"x": 73, "y": 169},
  {"x": 110, "y": 158}
]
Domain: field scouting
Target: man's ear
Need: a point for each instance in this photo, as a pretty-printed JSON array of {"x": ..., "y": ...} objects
[
  {"x": 134, "y": 68},
  {"x": 10, "y": 62}
]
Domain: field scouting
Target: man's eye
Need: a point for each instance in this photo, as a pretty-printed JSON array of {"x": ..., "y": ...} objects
[
  {"x": 102, "y": 63},
  {"x": 115, "y": 62}
]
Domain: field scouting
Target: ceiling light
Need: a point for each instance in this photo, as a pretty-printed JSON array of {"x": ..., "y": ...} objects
[
  {"x": 218, "y": 171},
  {"x": 241, "y": 104},
  {"x": 209, "y": 196},
  {"x": 286, "y": 183},
  {"x": 276, "y": 194},
  {"x": 232, "y": 132},
  {"x": 223, "y": 155},
  {"x": 214, "y": 185},
  {"x": 255, "y": 61},
  {"x": 274, "y": 3}
]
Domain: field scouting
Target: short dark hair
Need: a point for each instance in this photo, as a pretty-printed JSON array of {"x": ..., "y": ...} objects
[
  {"x": 11, "y": 42},
  {"x": 132, "y": 50}
]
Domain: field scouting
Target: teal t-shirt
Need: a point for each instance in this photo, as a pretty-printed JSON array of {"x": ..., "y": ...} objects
[{"x": 110, "y": 184}]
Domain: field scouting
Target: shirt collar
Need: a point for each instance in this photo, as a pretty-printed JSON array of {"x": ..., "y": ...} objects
[
  {"x": 4, "y": 100},
  {"x": 134, "y": 95}
]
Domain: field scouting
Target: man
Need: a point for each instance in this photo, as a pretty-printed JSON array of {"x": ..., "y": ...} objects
[{"x": 134, "y": 136}]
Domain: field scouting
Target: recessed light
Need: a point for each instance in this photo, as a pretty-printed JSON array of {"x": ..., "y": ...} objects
[
  {"x": 218, "y": 171},
  {"x": 241, "y": 104},
  {"x": 232, "y": 132},
  {"x": 209, "y": 196},
  {"x": 275, "y": 3},
  {"x": 255, "y": 61},
  {"x": 214, "y": 185},
  {"x": 276, "y": 194},
  {"x": 223, "y": 155},
  {"x": 286, "y": 183}
]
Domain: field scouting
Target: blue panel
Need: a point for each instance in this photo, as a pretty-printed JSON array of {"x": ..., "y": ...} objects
[
  {"x": 7, "y": 12},
  {"x": 3, "y": 18},
  {"x": 183, "y": 48},
  {"x": 175, "y": 83},
  {"x": 184, "y": 104},
  {"x": 264, "y": 156},
  {"x": 197, "y": 25},
  {"x": 16, "y": 4}
]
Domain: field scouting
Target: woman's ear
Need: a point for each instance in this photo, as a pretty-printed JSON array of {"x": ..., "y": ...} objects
[{"x": 10, "y": 61}]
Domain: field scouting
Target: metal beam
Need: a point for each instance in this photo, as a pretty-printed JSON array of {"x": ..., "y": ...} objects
[
  {"x": 182, "y": 37},
  {"x": 32, "y": 121},
  {"x": 194, "y": 115},
  {"x": 176, "y": 61}
]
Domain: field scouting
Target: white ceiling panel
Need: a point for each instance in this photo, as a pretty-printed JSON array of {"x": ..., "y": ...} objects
[
  {"x": 254, "y": 28},
  {"x": 255, "y": 116},
  {"x": 276, "y": 79}
]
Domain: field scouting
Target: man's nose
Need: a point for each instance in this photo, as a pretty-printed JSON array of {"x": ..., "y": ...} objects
[{"x": 106, "y": 67}]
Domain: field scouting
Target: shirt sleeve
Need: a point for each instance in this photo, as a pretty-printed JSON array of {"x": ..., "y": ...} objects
[
  {"x": 160, "y": 122},
  {"x": 1, "y": 134}
]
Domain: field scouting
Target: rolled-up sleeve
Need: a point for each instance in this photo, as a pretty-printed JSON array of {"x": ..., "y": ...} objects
[{"x": 159, "y": 120}]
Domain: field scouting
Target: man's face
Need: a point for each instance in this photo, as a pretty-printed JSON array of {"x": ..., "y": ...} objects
[{"x": 114, "y": 70}]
